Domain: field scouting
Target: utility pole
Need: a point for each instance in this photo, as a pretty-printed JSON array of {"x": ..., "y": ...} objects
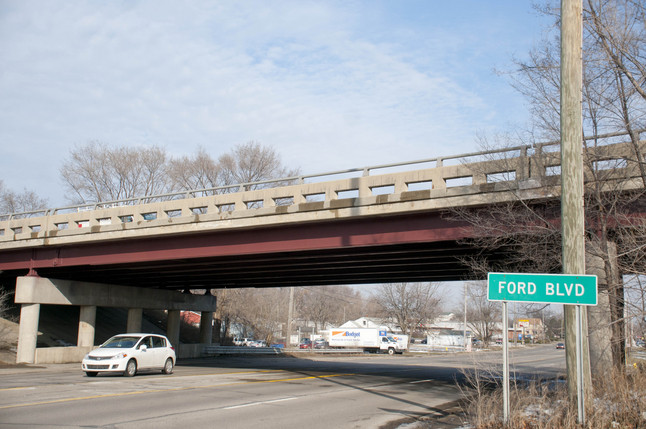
[
  {"x": 572, "y": 210},
  {"x": 290, "y": 315},
  {"x": 465, "y": 317}
]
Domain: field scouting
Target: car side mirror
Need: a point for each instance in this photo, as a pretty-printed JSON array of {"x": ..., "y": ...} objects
[{"x": 143, "y": 348}]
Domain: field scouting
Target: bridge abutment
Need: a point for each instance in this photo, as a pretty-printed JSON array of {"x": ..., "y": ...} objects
[{"x": 31, "y": 292}]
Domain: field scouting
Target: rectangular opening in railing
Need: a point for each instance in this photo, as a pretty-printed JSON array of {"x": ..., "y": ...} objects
[
  {"x": 314, "y": 198},
  {"x": 224, "y": 208},
  {"x": 348, "y": 193},
  {"x": 284, "y": 201},
  {"x": 126, "y": 218},
  {"x": 454, "y": 182},
  {"x": 504, "y": 176},
  {"x": 173, "y": 213},
  {"x": 420, "y": 186},
  {"x": 383, "y": 190},
  {"x": 199, "y": 210},
  {"x": 256, "y": 204}
]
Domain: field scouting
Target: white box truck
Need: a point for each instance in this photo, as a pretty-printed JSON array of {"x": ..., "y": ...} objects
[
  {"x": 367, "y": 339},
  {"x": 402, "y": 340}
]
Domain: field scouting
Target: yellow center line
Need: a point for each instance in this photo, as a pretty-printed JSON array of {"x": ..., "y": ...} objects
[
  {"x": 140, "y": 392},
  {"x": 17, "y": 388}
]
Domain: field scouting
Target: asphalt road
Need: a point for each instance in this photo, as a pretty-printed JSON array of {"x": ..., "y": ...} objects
[{"x": 308, "y": 391}]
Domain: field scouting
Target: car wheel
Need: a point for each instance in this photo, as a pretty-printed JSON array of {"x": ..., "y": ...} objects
[
  {"x": 91, "y": 373},
  {"x": 391, "y": 351},
  {"x": 168, "y": 366},
  {"x": 131, "y": 368}
]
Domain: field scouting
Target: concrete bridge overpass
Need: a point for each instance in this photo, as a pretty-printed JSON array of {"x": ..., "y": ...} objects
[{"x": 349, "y": 229}]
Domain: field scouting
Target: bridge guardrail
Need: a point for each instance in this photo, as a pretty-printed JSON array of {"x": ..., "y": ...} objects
[
  {"x": 240, "y": 350},
  {"x": 527, "y": 167},
  {"x": 243, "y": 350}
]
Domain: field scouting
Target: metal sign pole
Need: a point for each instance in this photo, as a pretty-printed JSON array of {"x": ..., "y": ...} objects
[
  {"x": 579, "y": 367},
  {"x": 505, "y": 363}
]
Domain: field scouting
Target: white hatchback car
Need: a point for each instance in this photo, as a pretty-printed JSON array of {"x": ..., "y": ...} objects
[{"x": 130, "y": 353}]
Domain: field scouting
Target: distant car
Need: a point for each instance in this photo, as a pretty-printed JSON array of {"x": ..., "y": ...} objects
[
  {"x": 129, "y": 354},
  {"x": 258, "y": 343},
  {"x": 640, "y": 343},
  {"x": 320, "y": 344},
  {"x": 278, "y": 345},
  {"x": 240, "y": 341},
  {"x": 560, "y": 346},
  {"x": 306, "y": 343}
]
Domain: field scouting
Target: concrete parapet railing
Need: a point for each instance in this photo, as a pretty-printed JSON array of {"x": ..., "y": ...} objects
[{"x": 482, "y": 173}]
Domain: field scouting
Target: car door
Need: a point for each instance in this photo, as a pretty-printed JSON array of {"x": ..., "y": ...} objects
[
  {"x": 159, "y": 352},
  {"x": 145, "y": 358}
]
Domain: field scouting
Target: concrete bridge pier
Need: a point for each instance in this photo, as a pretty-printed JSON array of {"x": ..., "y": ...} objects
[
  {"x": 27, "y": 333},
  {"x": 33, "y": 291},
  {"x": 206, "y": 327},
  {"x": 87, "y": 326},
  {"x": 172, "y": 327},
  {"x": 135, "y": 316}
]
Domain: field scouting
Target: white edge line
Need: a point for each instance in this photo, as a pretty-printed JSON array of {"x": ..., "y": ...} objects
[{"x": 232, "y": 407}]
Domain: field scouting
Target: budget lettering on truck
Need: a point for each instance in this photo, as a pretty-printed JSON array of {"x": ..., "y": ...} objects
[{"x": 366, "y": 339}]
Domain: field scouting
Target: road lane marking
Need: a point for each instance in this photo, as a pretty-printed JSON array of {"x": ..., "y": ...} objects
[
  {"x": 177, "y": 389},
  {"x": 251, "y": 404},
  {"x": 162, "y": 377},
  {"x": 18, "y": 388},
  {"x": 421, "y": 381}
]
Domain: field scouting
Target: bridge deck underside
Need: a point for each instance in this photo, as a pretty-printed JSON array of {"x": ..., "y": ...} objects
[
  {"x": 423, "y": 247},
  {"x": 374, "y": 264}
]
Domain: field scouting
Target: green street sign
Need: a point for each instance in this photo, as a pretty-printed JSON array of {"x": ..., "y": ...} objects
[{"x": 547, "y": 288}]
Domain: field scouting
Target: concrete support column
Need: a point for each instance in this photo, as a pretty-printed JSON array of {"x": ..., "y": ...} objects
[
  {"x": 28, "y": 333},
  {"x": 206, "y": 327},
  {"x": 172, "y": 327},
  {"x": 87, "y": 325},
  {"x": 134, "y": 320}
]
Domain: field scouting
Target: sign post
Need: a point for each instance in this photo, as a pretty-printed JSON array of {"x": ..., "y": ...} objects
[
  {"x": 546, "y": 288},
  {"x": 505, "y": 364}
]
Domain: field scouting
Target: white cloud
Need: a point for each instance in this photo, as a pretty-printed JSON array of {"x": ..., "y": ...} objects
[{"x": 331, "y": 85}]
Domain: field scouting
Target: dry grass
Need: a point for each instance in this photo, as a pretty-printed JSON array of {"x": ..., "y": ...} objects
[{"x": 619, "y": 403}]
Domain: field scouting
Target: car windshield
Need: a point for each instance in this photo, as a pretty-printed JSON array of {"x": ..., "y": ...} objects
[{"x": 120, "y": 343}]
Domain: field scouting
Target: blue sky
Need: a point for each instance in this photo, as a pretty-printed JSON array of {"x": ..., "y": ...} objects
[{"x": 329, "y": 84}]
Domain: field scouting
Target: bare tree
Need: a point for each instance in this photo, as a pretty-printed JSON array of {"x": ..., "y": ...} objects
[
  {"x": 197, "y": 172},
  {"x": 12, "y": 202},
  {"x": 483, "y": 315},
  {"x": 251, "y": 162},
  {"x": 7, "y": 339},
  {"x": 614, "y": 105},
  {"x": 409, "y": 304},
  {"x": 96, "y": 172},
  {"x": 617, "y": 27},
  {"x": 329, "y": 305}
]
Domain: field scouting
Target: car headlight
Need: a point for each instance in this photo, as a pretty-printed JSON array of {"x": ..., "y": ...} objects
[{"x": 120, "y": 356}]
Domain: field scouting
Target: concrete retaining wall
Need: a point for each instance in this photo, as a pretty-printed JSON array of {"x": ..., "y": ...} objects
[{"x": 76, "y": 354}]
